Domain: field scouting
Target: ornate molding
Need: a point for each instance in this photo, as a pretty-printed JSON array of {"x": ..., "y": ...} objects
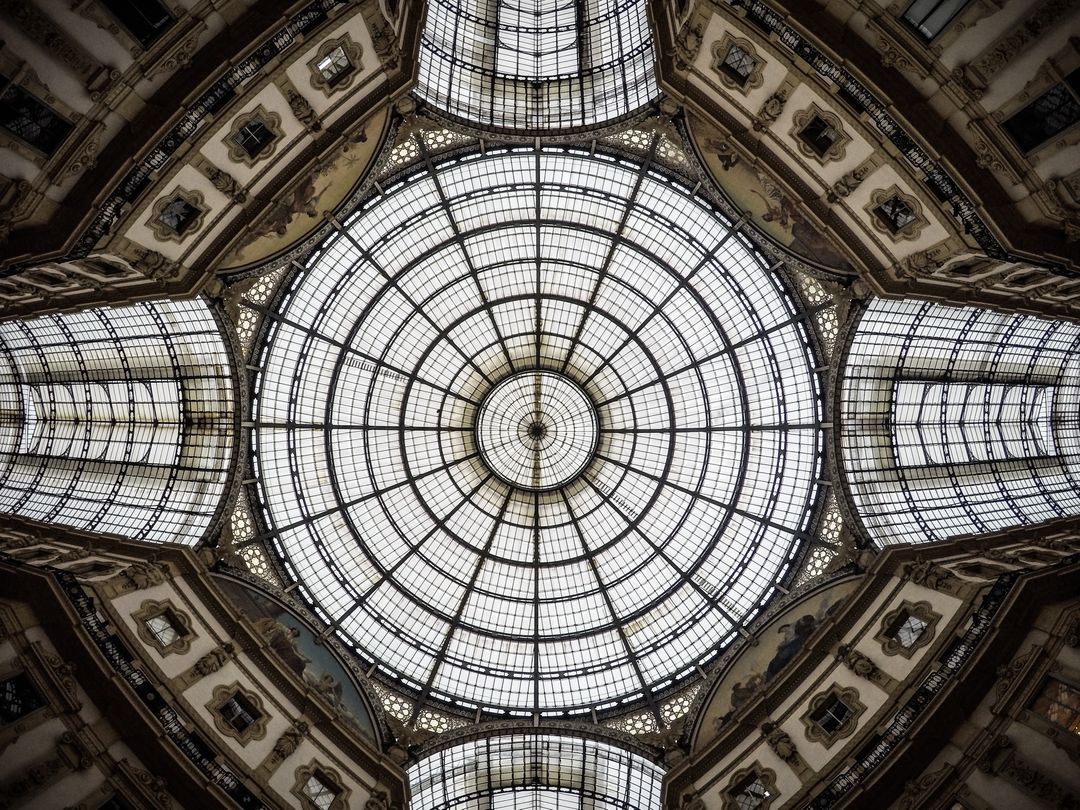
[
  {"x": 720, "y": 50},
  {"x": 163, "y": 222},
  {"x": 1002, "y": 759},
  {"x": 302, "y": 110},
  {"x": 314, "y": 769},
  {"x": 865, "y": 668},
  {"x": 741, "y": 779},
  {"x": 980, "y": 70},
  {"x": 352, "y": 52},
  {"x": 836, "y": 150},
  {"x": 270, "y": 120},
  {"x": 770, "y": 110},
  {"x": 781, "y": 744}
]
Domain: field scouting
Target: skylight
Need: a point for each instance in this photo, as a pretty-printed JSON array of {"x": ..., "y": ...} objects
[
  {"x": 537, "y": 65},
  {"x": 537, "y": 431}
]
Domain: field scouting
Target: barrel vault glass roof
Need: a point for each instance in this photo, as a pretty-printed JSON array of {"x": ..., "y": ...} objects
[
  {"x": 637, "y": 327},
  {"x": 536, "y": 65}
]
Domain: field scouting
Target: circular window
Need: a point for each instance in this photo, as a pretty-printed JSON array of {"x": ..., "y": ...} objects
[{"x": 537, "y": 431}]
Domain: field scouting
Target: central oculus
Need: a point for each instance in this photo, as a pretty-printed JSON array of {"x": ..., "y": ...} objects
[{"x": 537, "y": 430}]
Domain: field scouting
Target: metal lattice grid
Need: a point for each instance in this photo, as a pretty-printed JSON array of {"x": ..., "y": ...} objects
[
  {"x": 117, "y": 421},
  {"x": 535, "y": 65},
  {"x": 615, "y": 581},
  {"x": 959, "y": 420},
  {"x": 535, "y": 772}
]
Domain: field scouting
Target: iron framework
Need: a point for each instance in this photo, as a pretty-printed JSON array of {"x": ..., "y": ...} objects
[{"x": 459, "y": 588}]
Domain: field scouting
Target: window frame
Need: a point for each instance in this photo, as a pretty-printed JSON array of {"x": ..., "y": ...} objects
[
  {"x": 151, "y": 609},
  {"x": 849, "y": 697},
  {"x": 1070, "y": 85},
  {"x": 270, "y": 121},
  {"x": 742, "y": 779},
  {"x": 9, "y": 84},
  {"x": 341, "y": 79},
  {"x": 34, "y": 685},
  {"x": 167, "y": 233},
  {"x": 328, "y": 777},
  {"x": 802, "y": 120},
  {"x": 222, "y": 696},
  {"x": 917, "y": 28},
  {"x": 910, "y": 229},
  {"x": 890, "y": 645},
  {"x": 722, "y": 49},
  {"x": 144, "y": 45}
]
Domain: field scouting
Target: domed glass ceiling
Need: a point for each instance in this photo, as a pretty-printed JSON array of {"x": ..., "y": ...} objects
[{"x": 536, "y": 431}]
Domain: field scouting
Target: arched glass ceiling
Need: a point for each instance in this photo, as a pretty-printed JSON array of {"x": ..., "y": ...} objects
[
  {"x": 534, "y": 772},
  {"x": 536, "y": 65},
  {"x": 959, "y": 420},
  {"x": 117, "y": 421},
  {"x": 536, "y": 431}
]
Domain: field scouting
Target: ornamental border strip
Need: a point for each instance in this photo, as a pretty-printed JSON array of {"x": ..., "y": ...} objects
[
  {"x": 861, "y": 100},
  {"x": 872, "y": 755},
  {"x": 209, "y": 103}
]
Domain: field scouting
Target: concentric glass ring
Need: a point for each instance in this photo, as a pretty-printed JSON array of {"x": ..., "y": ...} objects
[
  {"x": 610, "y": 584},
  {"x": 536, "y": 430}
]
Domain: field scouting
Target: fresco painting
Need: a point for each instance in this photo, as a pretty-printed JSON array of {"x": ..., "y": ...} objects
[{"x": 779, "y": 643}]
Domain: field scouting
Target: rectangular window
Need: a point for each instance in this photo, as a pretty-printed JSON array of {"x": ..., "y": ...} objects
[
  {"x": 1049, "y": 115},
  {"x": 115, "y": 802},
  {"x": 894, "y": 214},
  {"x": 831, "y": 715},
  {"x": 335, "y": 66},
  {"x": 751, "y": 793},
  {"x": 819, "y": 135},
  {"x": 907, "y": 629},
  {"x": 958, "y": 423},
  {"x": 164, "y": 627},
  {"x": 239, "y": 713},
  {"x": 536, "y": 39},
  {"x": 178, "y": 215},
  {"x": 254, "y": 137},
  {"x": 145, "y": 20},
  {"x": 31, "y": 120},
  {"x": 134, "y": 421},
  {"x": 18, "y": 698},
  {"x": 738, "y": 64},
  {"x": 320, "y": 791},
  {"x": 1059, "y": 702},
  {"x": 929, "y": 17}
]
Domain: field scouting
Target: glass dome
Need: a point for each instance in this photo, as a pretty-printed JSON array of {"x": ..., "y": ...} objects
[{"x": 537, "y": 431}]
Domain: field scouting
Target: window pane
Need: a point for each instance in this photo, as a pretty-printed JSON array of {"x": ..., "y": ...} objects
[
  {"x": 18, "y": 698},
  {"x": 929, "y": 17},
  {"x": 1050, "y": 114},
  {"x": 146, "y": 20},
  {"x": 31, "y": 120},
  {"x": 319, "y": 793},
  {"x": 537, "y": 64},
  {"x": 163, "y": 629}
]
